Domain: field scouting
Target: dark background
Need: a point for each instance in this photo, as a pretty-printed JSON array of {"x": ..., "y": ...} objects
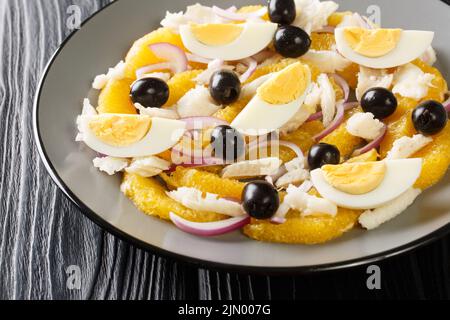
[{"x": 42, "y": 233}]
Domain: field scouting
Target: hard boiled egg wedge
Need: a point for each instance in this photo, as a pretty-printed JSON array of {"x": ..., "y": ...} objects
[
  {"x": 129, "y": 136},
  {"x": 366, "y": 185},
  {"x": 276, "y": 101},
  {"x": 227, "y": 41},
  {"x": 382, "y": 48}
]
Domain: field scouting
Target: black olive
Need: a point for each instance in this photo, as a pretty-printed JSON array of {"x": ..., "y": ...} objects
[
  {"x": 380, "y": 102},
  {"x": 260, "y": 200},
  {"x": 225, "y": 87},
  {"x": 227, "y": 143},
  {"x": 322, "y": 154},
  {"x": 429, "y": 117},
  {"x": 282, "y": 11},
  {"x": 150, "y": 92},
  {"x": 291, "y": 41}
]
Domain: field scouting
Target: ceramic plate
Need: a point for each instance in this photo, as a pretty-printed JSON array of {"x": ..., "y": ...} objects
[{"x": 102, "y": 42}]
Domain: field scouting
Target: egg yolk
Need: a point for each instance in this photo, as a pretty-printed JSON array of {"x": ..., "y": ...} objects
[
  {"x": 287, "y": 85},
  {"x": 120, "y": 130},
  {"x": 216, "y": 34},
  {"x": 355, "y": 178},
  {"x": 372, "y": 43}
]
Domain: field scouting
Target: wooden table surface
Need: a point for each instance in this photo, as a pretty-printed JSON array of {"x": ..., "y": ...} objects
[{"x": 42, "y": 233}]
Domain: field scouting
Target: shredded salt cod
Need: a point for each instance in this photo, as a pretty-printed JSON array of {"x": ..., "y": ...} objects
[
  {"x": 194, "y": 14},
  {"x": 326, "y": 60},
  {"x": 312, "y": 15},
  {"x": 405, "y": 147},
  {"x": 372, "y": 219},
  {"x": 116, "y": 73},
  {"x": 110, "y": 165},
  {"x": 252, "y": 168},
  {"x": 371, "y": 78},
  {"x": 411, "y": 82},
  {"x": 296, "y": 173},
  {"x": 309, "y": 205},
  {"x": 197, "y": 102},
  {"x": 364, "y": 125},
  {"x": 148, "y": 166},
  {"x": 327, "y": 99},
  {"x": 168, "y": 113},
  {"x": 88, "y": 110},
  {"x": 194, "y": 199}
]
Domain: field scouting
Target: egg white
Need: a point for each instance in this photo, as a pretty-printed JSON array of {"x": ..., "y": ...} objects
[
  {"x": 260, "y": 117},
  {"x": 412, "y": 45},
  {"x": 254, "y": 38},
  {"x": 163, "y": 134},
  {"x": 400, "y": 176}
]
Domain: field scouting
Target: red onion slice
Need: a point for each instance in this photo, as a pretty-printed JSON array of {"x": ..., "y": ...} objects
[
  {"x": 239, "y": 16},
  {"x": 213, "y": 66},
  {"x": 198, "y": 123},
  {"x": 337, "y": 121},
  {"x": 195, "y": 58},
  {"x": 252, "y": 65},
  {"x": 209, "y": 229},
  {"x": 319, "y": 115},
  {"x": 293, "y": 147},
  {"x": 371, "y": 145},
  {"x": 257, "y": 144},
  {"x": 154, "y": 67},
  {"x": 171, "y": 53},
  {"x": 341, "y": 82},
  {"x": 446, "y": 104}
]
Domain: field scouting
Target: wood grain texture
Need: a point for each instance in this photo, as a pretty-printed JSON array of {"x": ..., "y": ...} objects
[{"x": 42, "y": 233}]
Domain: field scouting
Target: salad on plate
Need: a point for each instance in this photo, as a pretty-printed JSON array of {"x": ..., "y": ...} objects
[{"x": 293, "y": 122}]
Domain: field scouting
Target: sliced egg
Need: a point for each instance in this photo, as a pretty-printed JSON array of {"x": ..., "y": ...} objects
[
  {"x": 276, "y": 101},
  {"x": 382, "y": 48},
  {"x": 129, "y": 136},
  {"x": 227, "y": 41},
  {"x": 368, "y": 186}
]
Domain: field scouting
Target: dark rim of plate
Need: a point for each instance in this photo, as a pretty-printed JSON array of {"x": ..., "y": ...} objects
[{"x": 198, "y": 262}]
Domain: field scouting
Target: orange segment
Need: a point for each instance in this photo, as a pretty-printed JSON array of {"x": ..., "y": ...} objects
[
  {"x": 435, "y": 92},
  {"x": 180, "y": 84},
  {"x": 322, "y": 41},
  {"x": 230, "y": 112},
  {"x": 350, "y": 74},
  {"x": 140, "y": 55},
  {"x": 402, "y": 127},
  {"x": 205, "y": 182},
  {"x": 342, "y": 139},
  {"x": 436, "y": 160},
  {"x": 115, "y": 97},
  {"x": 303, "y": 230},
  {"x": 150, "y": 197},
  {"x": 436, "y": 156}
]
